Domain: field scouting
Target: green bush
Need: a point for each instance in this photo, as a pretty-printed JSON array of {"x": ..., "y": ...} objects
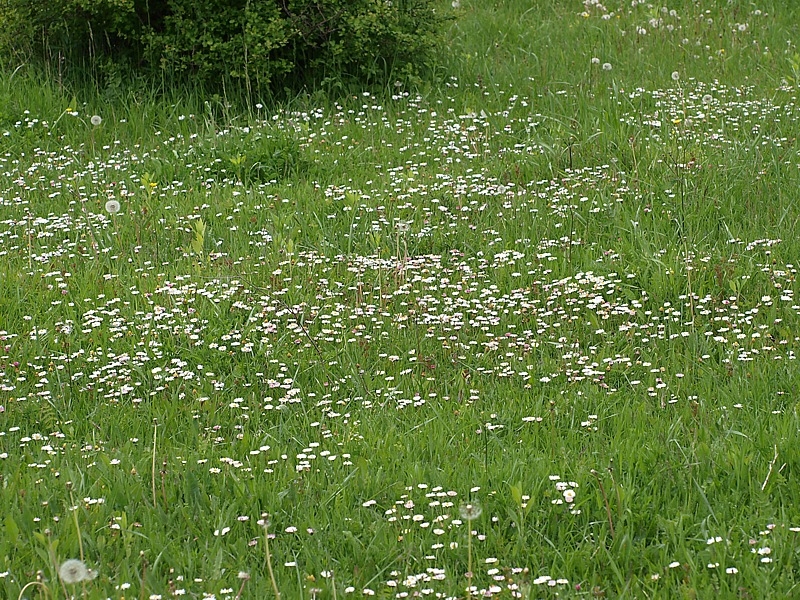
[{"x": 258, "y": 42}]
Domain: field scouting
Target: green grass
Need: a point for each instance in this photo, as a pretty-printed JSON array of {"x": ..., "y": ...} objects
[{"x": 356, "y": 315}]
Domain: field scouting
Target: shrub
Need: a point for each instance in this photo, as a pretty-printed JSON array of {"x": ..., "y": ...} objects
[{"x": 258, "y": 42}]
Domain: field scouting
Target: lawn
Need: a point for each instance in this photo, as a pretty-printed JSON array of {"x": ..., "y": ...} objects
[{"x": 527, "y": 328}]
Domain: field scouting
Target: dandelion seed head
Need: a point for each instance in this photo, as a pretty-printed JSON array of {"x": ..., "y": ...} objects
[
  {"x": 73, "y": 571},
  {"x": 470, "y": 510}
]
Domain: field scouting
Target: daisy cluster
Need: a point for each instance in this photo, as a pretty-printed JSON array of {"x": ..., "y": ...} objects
[
  {"x": 712, "y": 115},
  {"x": 432, "y": 513},
  {"x": 644, "y": 17}
]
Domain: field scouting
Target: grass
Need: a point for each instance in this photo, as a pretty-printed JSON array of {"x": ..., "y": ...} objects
[{"x": 527, "y": 331}]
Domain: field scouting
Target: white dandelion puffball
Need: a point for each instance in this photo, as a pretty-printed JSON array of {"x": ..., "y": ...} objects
[
  {"x": 96, "y": 120},
  {"x": 675, "y": 76},
  {"x": 113, "y": 207},
  {"x": 73, "y": 571},
  {"x": 606, "y": 66},
  {"x": 470, "y": 511},
  {"x": 595, "y": 60}
]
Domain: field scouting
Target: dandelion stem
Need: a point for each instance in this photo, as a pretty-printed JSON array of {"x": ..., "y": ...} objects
[
  {"x": 241, "y": 588},
  {"x": 605, "y": 500},
  {"x": 144, "y": 572},
  {"x": 155, "y": 433},
  {"x": 469, "y": 557},
  {"x": 771, "y": 466},
  {"x": 164, "y": 484},
  {"x": 268, "y": 560},
  {"x": 32, "y": 583},
  {"x": 52, "y": 554},
  {"x": 616, "y": 489},
  {"x": 74, "y": 509}
]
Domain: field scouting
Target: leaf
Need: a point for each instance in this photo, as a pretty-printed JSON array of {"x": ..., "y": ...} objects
[
  {"x": 199, "y": 240},
  {"x": 192, "y": 488},
  {"x": 12, "y": 530},
  {"x": 516, "y": 493}
]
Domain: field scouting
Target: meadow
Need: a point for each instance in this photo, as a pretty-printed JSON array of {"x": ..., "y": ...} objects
[{"x": 525, "y": 329}]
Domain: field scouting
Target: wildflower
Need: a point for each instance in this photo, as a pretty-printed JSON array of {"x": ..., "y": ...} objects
[
  {"x": 73, "y": 571},
  {"x": 595, "y": 60},
  {"x": 456, "y": 4},
  {"x": 113, "y": 207},
  {"x": 606, "y": 66},
  {"x": 675, "y": 76},
  {"x": 470, "y": 510},
  {"x": 96, "y": 120}
]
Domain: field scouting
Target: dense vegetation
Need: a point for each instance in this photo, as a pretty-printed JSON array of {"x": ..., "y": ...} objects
[{"x": 254, "y": 45}]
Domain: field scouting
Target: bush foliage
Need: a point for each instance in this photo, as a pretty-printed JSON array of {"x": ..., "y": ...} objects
[{"x": 258, "y": 42}]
